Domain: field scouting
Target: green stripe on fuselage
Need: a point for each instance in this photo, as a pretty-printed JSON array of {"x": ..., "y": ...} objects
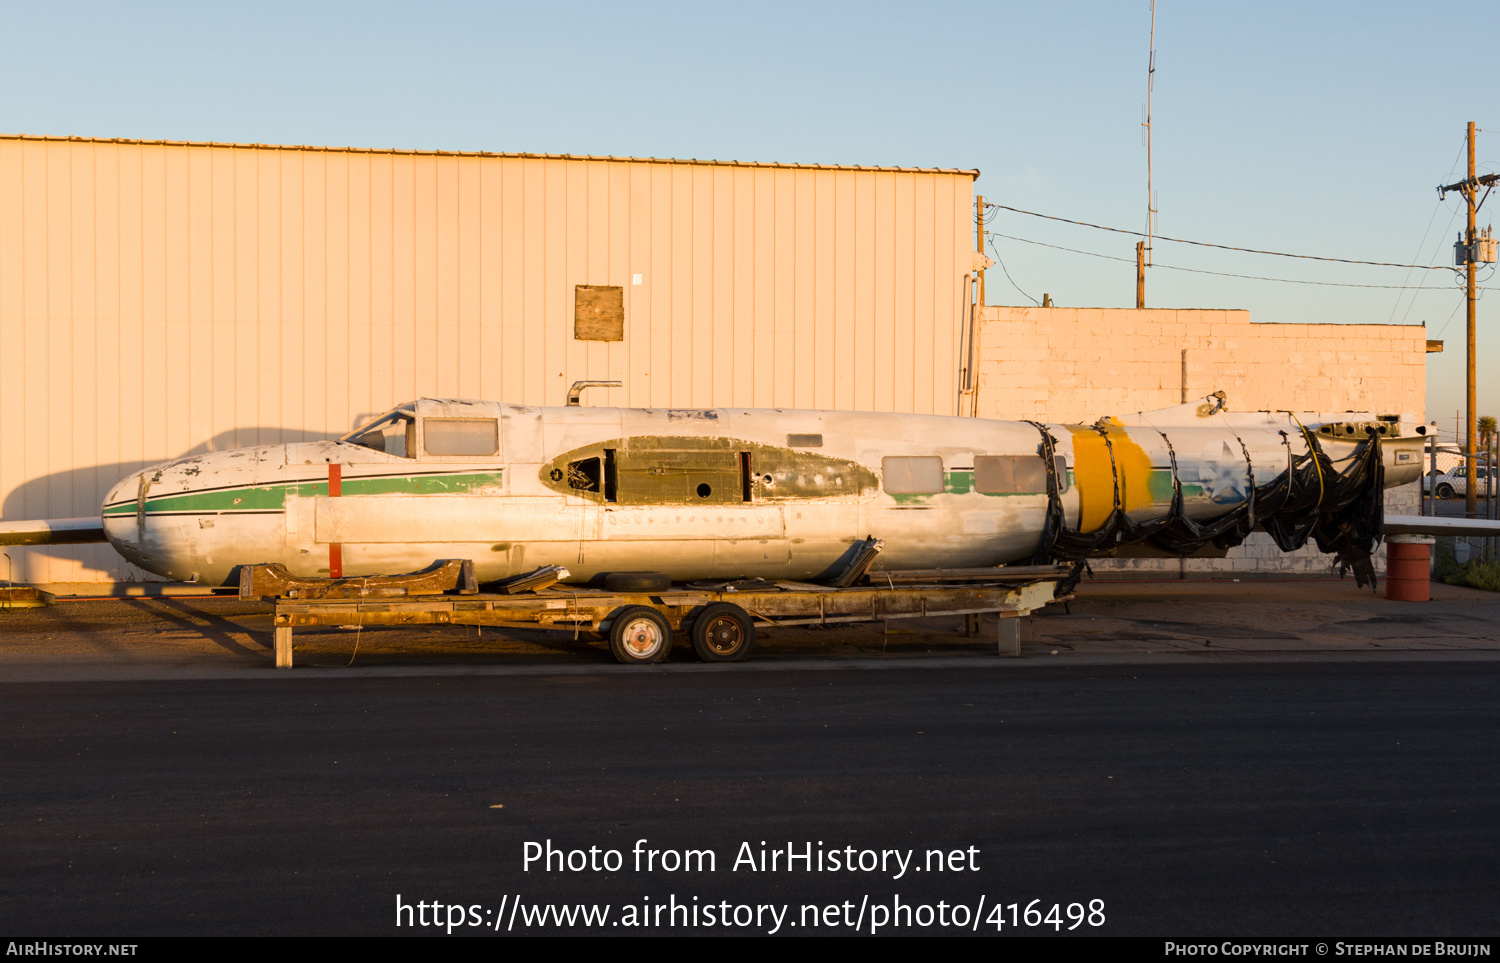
[
  {"x": 261, "y": 498},
  {"x": 962, "y": 483}
]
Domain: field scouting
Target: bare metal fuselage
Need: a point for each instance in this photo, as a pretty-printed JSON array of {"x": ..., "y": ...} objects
[{"x": 720, "y": 493}]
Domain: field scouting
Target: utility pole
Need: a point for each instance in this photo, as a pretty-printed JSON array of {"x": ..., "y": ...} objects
[
  {"x": 979, "y": 239},
  {"x": 976, "y": 309},
  {"x": 1470, "y": 251},
  {"x": 1140, "y": 275}
]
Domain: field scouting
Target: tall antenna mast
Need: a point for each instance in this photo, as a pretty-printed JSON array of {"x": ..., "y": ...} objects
[{"x": 1146, "y": 134}]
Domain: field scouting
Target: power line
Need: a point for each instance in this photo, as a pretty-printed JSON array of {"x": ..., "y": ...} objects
[
  {"x": 1058, "y": 247},
  {"x": 1225, "y": 247},
  {"x": 1450, "y": 319},
  {"x": 1420, "y": 244},
  {"x": 1012, "y": 280},
  {"x": 1438, "y": 249},
  {"x": 1224, "y": 274},
  {"x": 1412, "y": 303}
]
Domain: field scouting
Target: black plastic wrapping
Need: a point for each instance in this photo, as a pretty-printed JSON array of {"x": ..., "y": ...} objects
[{"x": 1344, "y": 513}]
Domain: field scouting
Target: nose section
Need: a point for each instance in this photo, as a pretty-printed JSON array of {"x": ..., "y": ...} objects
[
  {"x": 125, "y": 523},
  {"x": 119, "y": 510},
  {"x": 123, "y": 495}
]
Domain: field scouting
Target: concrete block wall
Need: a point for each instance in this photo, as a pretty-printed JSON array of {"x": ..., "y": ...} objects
[
  {"x": 1076, "y": 365},
  {"x": 1258, "y": 555}
]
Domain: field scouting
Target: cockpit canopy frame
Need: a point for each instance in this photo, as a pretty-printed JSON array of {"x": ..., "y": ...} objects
[{"x": 433, "y": 429}]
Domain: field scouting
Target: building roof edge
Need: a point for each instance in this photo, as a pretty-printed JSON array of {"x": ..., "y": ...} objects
[{"x": 490, "y": 154}]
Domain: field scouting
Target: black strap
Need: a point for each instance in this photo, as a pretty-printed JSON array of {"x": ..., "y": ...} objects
[{"x": 1342, "y": 512}]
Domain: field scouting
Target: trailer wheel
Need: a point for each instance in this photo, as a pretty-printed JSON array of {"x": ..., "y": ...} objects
[
  {"x": 1445, "y": 490},
  {"x": 723, "y": 633},
  {"x": 638, "y": 635}
]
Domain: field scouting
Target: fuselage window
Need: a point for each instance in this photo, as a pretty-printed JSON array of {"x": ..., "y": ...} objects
[
  {"x": 912, "y": 475},
  {"x": 1016, "y": 474},
  {"x": 1009, "y": 474},
  {"x": 464, "y": 437}
]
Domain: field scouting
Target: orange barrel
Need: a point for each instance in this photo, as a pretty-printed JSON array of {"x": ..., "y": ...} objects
[{"x": 1408, "y": 568}]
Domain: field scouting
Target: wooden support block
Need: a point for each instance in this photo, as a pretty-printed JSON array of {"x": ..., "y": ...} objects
[
  {"x": 1010, "y": 637},
  {"x": 971, "y": 624},
  {"x": 283, "y": 646}
]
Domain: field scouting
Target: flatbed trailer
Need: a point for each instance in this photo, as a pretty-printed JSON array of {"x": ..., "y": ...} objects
[{"x": 732, "y": 608}]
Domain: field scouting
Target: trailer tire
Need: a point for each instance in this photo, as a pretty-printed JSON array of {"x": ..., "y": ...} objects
[
  {"x": 1445, "y": 490},
  {"x": 639, "y": 635},
  {"x": 723, "y": 632}
]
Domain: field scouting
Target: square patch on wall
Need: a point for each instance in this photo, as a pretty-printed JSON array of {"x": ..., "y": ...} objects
[{"x": 598, "y": 312}]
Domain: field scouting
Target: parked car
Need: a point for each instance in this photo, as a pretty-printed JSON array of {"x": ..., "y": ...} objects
[{"x": 1455, "y": 482}]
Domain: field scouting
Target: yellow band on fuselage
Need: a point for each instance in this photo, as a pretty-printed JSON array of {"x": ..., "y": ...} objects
[{"x": 1094, "y": 473}]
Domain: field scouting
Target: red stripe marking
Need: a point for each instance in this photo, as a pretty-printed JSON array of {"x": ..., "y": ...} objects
[{"x": 335, "y": 550}]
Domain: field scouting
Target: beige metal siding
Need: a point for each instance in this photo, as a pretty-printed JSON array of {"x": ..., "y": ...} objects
[{"x": 161, "y": 299}]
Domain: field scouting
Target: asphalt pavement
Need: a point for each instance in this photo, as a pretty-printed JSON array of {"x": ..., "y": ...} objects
[
  {"x": 1275, "y": 759},
  {"x": 1455, "y": 507}
]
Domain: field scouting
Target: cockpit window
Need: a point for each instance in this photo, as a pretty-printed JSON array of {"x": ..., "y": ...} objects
[
  {"x": 464, "y": 437},
  {"x": 394, "y": 433}
]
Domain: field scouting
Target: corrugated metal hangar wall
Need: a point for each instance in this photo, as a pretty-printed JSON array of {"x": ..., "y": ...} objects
[{"x": 160, "y": 299}]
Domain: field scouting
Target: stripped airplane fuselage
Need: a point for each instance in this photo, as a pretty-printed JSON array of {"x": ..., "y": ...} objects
[{"x": 718, "y": 493}]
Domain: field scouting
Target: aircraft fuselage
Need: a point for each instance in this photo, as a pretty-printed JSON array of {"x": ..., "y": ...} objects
[{"x": 715, "y": 493}]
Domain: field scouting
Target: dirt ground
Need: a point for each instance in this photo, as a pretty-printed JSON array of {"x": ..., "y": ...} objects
[{"x": 1150, "y": 621}]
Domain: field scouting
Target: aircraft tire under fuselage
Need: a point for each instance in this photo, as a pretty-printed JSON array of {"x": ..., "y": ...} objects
[
  {"x": 639, "y": 635},
  {"x": 722, "y": 632}
]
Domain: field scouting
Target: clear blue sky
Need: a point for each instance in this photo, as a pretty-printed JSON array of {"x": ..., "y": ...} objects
[{"x": 1306, "y": 127}]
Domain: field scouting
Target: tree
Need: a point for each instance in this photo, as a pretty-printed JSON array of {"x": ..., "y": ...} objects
[{"x": 1486, "y": 430}]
